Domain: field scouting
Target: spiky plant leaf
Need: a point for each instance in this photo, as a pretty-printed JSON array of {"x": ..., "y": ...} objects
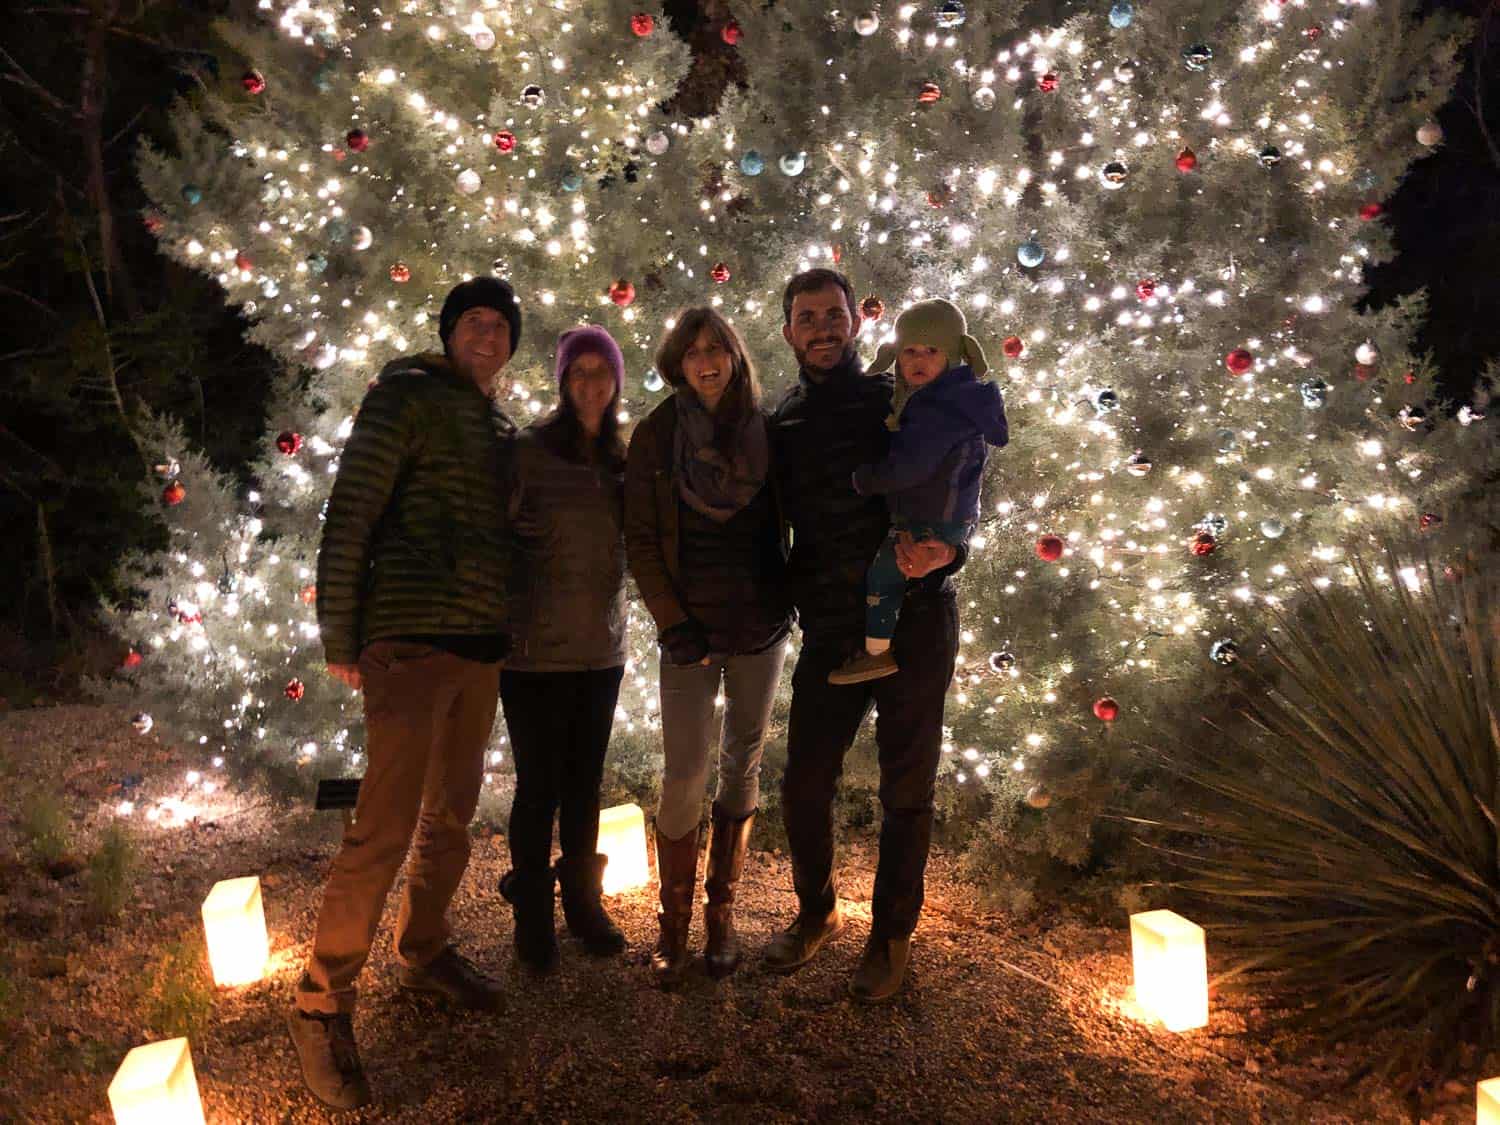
[{"x": 1346, "y": 833}]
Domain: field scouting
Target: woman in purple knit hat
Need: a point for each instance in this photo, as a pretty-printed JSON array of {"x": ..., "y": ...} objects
[{"x": 567, "y": 606}]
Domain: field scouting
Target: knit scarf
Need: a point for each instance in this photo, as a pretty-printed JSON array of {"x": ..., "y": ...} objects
[{"x": 708, "y": 482}]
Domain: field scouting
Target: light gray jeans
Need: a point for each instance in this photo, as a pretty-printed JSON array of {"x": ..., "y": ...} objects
[{"x": 692, "y": 726}]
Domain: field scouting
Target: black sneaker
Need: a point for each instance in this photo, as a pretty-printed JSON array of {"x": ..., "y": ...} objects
[
  {"x": 330, "y": 1058},
  {"x": 454, "y": 976}
]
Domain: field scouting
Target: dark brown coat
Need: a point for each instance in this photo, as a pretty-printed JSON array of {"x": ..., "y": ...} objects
[{"x": 743, "y": 597}]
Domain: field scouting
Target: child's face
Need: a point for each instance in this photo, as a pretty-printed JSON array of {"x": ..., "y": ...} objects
[{"x": 920, "y": 364}]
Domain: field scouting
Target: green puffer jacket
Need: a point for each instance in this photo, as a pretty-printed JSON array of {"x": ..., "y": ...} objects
[{"x": 415, "y": 538}]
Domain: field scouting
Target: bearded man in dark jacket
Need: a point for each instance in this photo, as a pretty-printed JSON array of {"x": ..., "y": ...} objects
[
  {"x": 411, "y": 610},
  {"x": 833, "y": 422}
]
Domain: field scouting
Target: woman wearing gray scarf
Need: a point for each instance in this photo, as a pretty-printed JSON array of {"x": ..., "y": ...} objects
[{"x": 703, "y": 540}]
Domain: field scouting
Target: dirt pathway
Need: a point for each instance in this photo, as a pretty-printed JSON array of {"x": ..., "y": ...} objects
[{"x": 1000, "y": 1022}]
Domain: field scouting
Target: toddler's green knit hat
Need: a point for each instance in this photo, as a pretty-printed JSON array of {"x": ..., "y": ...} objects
[{"x": 933, "y": 324}]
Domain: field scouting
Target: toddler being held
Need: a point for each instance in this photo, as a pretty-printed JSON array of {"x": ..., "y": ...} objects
[{"x": 943, "y": 418}]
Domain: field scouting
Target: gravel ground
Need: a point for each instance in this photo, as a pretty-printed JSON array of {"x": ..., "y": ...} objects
[{"x": 1000, "y": 1022}]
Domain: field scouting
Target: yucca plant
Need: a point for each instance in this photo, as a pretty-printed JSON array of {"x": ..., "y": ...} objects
[{"x": 1345, "y": 833}]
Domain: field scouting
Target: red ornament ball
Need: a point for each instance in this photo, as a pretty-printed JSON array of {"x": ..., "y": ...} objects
[
  {"x": 289, "y": 441},
  {"x": 1428, "y": 520},
  {"x": 357, "y": 140},
  {"x": 1239, "y": 361},
  {"x": 294, "y": 690},
  {"x": 1409, "y": 378},
  {"x": 243, "y": 261},
  {"x": 154, "y": 222},
  {"x": 1363, "y": 371},
  {"x": 940, "y": 196},
  {"x": 505, "y": 141},
  {"x": 720, "y": 272},
  {"x": 1012, "y": 346},
  {"x": 254, "y": 82},
  {"x": 1314, "y": 33},
  {"x": 1371, "y": 211},
  {"x": 1049, "y": 548},
  {"x": 308, "y": 594},
  {"x": 622, "y": 293},
  {"x": 1145, "y": 289},
  {"x": 132, "y": 660},
  {"x": 174, "y": 494},
  {"x": 642, "y": 24},
  {"x": 872, "y": 308},
  {"x": 1203, "y": 544},
  {"x": 1047, "y": 83},
  {"x": 1106, "y": 710},
  {"x": 1187, "y": 160},
  {"x": 929, "y": 93},
  {"x": 400, "y": 273},
  {"x": 731, "y": 32}
]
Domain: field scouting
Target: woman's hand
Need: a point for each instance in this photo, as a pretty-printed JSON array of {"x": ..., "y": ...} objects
[
  {"x": 919, "y": 559},
  {"x": 685, "y": 643}
]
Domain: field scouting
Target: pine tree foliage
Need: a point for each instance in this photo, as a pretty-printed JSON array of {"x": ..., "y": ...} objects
[{"x": 1156, "y": 217}]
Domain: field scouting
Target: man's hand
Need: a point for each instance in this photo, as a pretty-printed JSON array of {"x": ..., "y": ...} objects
[
  {"x": 348, "y": 674},
  {"x": 919, "y": 559}
]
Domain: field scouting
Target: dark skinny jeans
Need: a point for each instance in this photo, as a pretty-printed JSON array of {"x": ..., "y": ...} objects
[{"x": 559, "y": 724}]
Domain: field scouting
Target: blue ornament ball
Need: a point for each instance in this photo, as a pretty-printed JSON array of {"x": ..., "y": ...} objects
[
  {"x": 337, "y": 230},
  {"x": 951, "y": 15},
  {"x": 1314, "y": 393},
  {"x": 653, "y": 381},
  {"x": 1121, "y": 15},
  {"x": 1272, "y": 528},
  {"x": 1030, "y": 253},
  {"x": 571, "y": 180},
  {"x": 1225, "y": 439},
  {"x": 316, "y": 262},
  {"x": 1198, "y": 56},
  {"x": 752, "y": 163},
  {"x": 192, "y": 194},
  {"x": 1224, "y": 651},
  {"x": 1106, "y": 401},
  {"x": 792, "y": 163}
]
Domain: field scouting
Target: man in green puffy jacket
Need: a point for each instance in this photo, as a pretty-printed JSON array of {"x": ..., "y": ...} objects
[{"x": 411, "y": 608}]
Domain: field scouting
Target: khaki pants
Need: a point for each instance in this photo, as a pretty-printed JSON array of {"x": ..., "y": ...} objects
[{"x": 428, "y": 716}]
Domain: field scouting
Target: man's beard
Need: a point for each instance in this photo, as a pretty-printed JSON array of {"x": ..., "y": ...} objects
[{"x": 843, "y": 358}]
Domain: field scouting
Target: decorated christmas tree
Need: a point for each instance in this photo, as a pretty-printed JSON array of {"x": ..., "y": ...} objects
[
  {"x": 365, "y": 161},
  {"x": 1155, "y": 216}
]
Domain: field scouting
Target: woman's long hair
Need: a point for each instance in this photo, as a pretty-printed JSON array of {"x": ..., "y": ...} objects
[
  {"x": 741, "y": 396},
  {"x": 562, "y": 432}
]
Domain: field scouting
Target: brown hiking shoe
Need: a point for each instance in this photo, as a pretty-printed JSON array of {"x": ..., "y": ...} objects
[
  {"x": 795, "y": 946},
  {"x": 882, "y": 969},
  {"x": 865, "y": 666},
  {"x": 454, "y": 976},
  {"x": 330, "y": 1058}
]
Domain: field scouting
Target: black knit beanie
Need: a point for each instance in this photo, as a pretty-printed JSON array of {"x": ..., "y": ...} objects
[{"x": 481, "y": 293}]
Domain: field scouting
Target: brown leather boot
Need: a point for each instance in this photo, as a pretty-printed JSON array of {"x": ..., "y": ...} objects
[
  {"x": 677, "y": 871},
  {"x": 881, "y": 970},
  {"x": 728, "y": 841}
]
